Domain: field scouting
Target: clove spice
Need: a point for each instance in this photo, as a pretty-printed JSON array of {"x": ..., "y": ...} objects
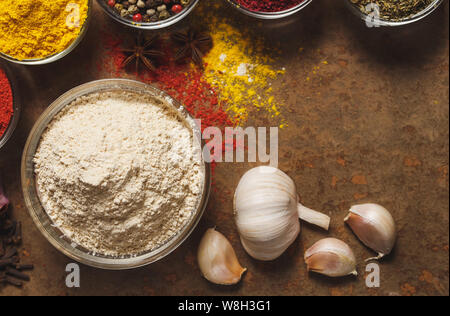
[{"x": 10, "y": 237}]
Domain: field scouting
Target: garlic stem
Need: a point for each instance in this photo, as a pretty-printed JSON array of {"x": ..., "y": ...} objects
[{"x": 313, "y": 217}]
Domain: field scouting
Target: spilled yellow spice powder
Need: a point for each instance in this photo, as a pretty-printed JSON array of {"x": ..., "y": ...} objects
[
  {"x": 315, "y": 70},
  {"x": 35, "y": 29},
  {"x": 238, "y": 67}
]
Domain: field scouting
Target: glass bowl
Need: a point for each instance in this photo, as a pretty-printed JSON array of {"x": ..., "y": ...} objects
[
  {"x": 417, "y": 17},
  {"x": 148, "y": 26},
  {"x": 270, "y": 15},
  {"x": 16, "y": 106},
  {"x": 57, "y": 56},
  {"x": 43, "y": 221}
]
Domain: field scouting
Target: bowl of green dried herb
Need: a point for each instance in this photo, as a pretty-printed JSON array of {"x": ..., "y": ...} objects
[{"x": 392, "y": 12}]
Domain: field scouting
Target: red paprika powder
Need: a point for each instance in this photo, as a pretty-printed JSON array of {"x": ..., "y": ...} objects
[
  {"x": 6, "y": 102},
  {"x": 268, "y": 5},
  {"x": 182, "y": 82}
]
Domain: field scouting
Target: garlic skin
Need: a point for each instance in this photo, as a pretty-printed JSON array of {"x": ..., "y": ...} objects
[
  {"x": 217, "y": 259},
  {"x": 331, "y": 257},
  {"x": 267, "y": 212},
  {"x": 374, "y": 226}
]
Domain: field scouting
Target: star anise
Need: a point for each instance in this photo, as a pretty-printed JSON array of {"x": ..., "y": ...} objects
[
  {"x": 191, "y": 45},
  {"x": 143, "y": 51}
]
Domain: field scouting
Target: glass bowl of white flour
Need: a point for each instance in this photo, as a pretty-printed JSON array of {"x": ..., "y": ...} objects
[{"x": 113, "y": 174}]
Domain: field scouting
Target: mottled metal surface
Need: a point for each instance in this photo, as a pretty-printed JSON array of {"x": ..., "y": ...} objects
[{"x": 372, "y": 125}]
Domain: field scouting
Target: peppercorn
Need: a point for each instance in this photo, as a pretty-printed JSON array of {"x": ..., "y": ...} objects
[
  {"x": 118, "y": 7},
  {"x": 164, "y": 15},
  {"x": 177, "y": 8},
  {"x": 133, "y": 9},
  {"x": 146, "y": 18},
  {"x": 140, "y": 4},
  {"x": 137, "y": 17}
]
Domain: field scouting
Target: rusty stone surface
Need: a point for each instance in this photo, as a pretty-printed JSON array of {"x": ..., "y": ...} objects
[{"x": 370, "y": 126}]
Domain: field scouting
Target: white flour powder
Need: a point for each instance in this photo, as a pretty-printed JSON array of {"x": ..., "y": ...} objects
[{"x": 119, "y": 173}]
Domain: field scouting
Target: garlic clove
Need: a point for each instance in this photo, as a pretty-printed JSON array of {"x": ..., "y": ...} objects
[
  {"x": 374, "y": 226},
  {"x": 217, "y": 259},
  {"x": 331, "y": 257}
]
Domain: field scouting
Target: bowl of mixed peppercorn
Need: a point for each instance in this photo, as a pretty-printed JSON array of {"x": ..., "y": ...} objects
[{"x": 148, "y": 14}]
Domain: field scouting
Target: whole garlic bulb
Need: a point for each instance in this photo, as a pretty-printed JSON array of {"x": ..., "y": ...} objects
[
  {"x": 267, "y": 213},
  {"x": 374, "y": 226},
  {"x": 331, "y": 257},
  {"x": 217, "y": 259}
]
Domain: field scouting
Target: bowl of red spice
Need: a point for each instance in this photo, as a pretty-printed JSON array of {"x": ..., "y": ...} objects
[
  {"x": 9, "y": 107},
  {"x": 148, "y": 14},
  {"x": 269, "y": 9}
]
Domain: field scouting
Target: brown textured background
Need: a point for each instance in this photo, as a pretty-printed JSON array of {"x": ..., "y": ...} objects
[{"x": 371, "y": 126}]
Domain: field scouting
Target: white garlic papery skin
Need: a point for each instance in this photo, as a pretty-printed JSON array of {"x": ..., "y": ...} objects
[
  {"x": 267, "y": 212},
  {"x": 331, "y": 257},
  {"x": 217, "y": 259},
  {"x": 374, "y": 226}
]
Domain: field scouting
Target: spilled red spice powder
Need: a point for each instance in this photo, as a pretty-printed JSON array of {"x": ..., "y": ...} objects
[
  {"x": 6, "y": 102},
  {"x": 197, "y": 96},
  {"x": 180, "y": 81},
  {"x": 268, "y": 5}
]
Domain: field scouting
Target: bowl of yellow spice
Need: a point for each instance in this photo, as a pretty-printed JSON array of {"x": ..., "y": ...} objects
[{"x": 36, "y": 32}]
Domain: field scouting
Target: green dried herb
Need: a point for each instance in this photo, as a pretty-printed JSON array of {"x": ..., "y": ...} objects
[{"x": 393, "y": 10}]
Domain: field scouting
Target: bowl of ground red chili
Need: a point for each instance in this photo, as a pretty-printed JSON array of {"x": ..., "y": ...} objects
[
  {"x": 269, "y": 9},
  {"x": 9, "y": 107}
]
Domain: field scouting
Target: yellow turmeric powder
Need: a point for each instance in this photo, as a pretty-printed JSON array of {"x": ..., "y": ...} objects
[
  {"x": 239, "y": 67},
  {"x": 36, "y": 29},
  {"x": 241, "y": 70}
]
